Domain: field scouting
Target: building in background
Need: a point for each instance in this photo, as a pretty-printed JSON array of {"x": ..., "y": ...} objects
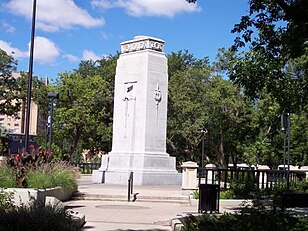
[{"x": 15, "y": 126}]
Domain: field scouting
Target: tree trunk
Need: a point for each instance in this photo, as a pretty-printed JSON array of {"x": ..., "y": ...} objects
[
  {"x": 76, "y": 137},
  {"x": 222, "y": 158},
  {"x": 217, "y": 150}
]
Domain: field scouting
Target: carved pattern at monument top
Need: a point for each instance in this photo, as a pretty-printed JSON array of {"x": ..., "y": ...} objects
[{"x": 142, "y": 43}]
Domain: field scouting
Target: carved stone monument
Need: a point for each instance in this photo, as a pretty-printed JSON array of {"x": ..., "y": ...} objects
[{"x": 140, "y": 118}]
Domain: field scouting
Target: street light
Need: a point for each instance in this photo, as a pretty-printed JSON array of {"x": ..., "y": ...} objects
[
  {"x": 203, "y": 132},
  {"x": 53, "y": 96},
  {"x": 30, "y": 78},
  {"x": 286, "y": 127}
]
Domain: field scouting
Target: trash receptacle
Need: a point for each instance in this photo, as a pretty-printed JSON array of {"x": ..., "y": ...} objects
[{"x": 208, "y": 198}]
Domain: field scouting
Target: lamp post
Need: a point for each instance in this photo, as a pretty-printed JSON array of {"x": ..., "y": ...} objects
[
  {"x": 203, "y": 132},
  {"x": 30, "y": 78},
  {"x": 53, "y": 96},
  {"x": 289, "y": 149},
  {"x": 286, "y": 127}
]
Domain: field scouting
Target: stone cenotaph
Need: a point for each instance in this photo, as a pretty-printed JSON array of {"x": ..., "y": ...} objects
[{"x": 140, "y": 118}]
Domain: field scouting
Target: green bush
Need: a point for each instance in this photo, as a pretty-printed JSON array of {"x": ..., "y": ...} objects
[
  {"x": 34, "y": 217},
  {"x": 7, "y": 177},
  {"x": 52, "y": 175},
  {"x": 196, "y": 194},
  {"x": 244, "y": 188},
  {"x": 25, "y": 161},
  {"x": 250, "y": 221},
  {"x": 300, "y": 186},
  {"x": 6, "y": 201},
  {"x": 226, "y": 194}
]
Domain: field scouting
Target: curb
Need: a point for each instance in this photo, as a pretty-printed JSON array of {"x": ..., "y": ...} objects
[{"x": 176, "y": 224}]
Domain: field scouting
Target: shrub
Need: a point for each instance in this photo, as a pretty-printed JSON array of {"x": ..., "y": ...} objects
[
  {"x": 244, "y": 188},
  {"x": 226, "y": 194},
  {"x": 196, "y": 194},
  {"x": 254, "y": 220},
  {"x": 300, "y": 186},
  {"x": 24, "y": 162},
  {"x": 7, "y": 177},
  {"x": 6, "y": 201},
  {"x": 52, "y": 175},
  {"x": 35, "y": 170},
  {"x": 36, "y": 217}
]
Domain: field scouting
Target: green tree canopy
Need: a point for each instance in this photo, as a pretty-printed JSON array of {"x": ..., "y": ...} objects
[
  {"x": 9, "y": 88},
  {"x": 276, "y": 33},
  {"x": 83, "y": 117},
  {"x": 198, "y": 97}
]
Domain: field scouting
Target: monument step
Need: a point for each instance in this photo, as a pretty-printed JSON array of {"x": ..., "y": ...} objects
[{"x": 140, "y": 198}]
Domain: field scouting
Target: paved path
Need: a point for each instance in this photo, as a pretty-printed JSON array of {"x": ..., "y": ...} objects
[
  {"x": 115, "y": 215},
  {"x": 140, "y": 215}
]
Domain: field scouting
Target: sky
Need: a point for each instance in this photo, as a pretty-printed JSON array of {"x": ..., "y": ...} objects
[{"x": 69, "y": 31}]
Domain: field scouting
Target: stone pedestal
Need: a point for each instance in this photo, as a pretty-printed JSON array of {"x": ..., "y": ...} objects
[
  {"x": 3, "y": 160},
  {"x": 140, "y": 117},
  {"x": 189, "y": 175}
]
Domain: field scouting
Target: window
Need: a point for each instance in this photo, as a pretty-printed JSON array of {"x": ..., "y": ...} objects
[
  {"x": 16, "y": 125},
  {"x": 1, "y": 119},
  {"x": 14, "y": 131}
]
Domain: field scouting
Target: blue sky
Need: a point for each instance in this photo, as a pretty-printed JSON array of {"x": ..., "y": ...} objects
[{"x": 68, "y": 31}]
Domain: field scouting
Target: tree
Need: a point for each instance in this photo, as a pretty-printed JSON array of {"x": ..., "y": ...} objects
[
  {"x": 278, "y": 58},
  {"x": 98, "y": 137},
  {"x": 282, "y": 27},
  {"x": 9, "y": 89},
  {"x": 198, "y": 97},
  {"x": 3, "y": 141},
  {"x": 13, "y": 90},
  {"x": 187, "y": 77},
  {"x": 277, "y": 34},
  {"x": 299, "y": 138},
  {"x": 259, "y": 74},
  {"x": 83, "y": 115}
]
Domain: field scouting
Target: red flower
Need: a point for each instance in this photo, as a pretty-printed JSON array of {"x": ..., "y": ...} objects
[
  {"x": 18, "y": 157},
  {"x": 32, "y": 146}
]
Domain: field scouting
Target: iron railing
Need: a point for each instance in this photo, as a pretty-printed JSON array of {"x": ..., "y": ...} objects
[
  {"x": 130, "y": 186},
  {"x": 263, "y": 179},
  {"x": 86, "y": 168}
]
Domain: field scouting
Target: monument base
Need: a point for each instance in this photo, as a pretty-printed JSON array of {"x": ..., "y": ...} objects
[
  {"x": 147, "y": 168},
  {"x": 144, "y": 177}
]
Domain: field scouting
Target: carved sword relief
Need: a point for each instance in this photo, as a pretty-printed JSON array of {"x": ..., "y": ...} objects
[{"x": 157, "y": 98}]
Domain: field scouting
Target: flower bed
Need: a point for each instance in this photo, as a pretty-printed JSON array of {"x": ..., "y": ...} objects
[{"x": 35, "y": 176}]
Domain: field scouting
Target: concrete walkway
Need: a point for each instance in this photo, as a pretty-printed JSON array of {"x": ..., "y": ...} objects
[{"x": 106, "y": 207}]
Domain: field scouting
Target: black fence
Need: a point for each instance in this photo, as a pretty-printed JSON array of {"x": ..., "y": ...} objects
[
  {"x": 87, "y": 168},
  {"x": 263, "y": 179}
]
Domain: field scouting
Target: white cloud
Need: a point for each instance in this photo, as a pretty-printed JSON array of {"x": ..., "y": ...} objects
[
  {"x": 15, "y": 52},
  {"x": 71, "y": 58},
  {"x": 8, "y": 28},
  {"x": 168, "y": 8},
  {"x": 54, "y": 15},
  {"x": 45, "y": 51},
  {"x": 90, "y": 55}
]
